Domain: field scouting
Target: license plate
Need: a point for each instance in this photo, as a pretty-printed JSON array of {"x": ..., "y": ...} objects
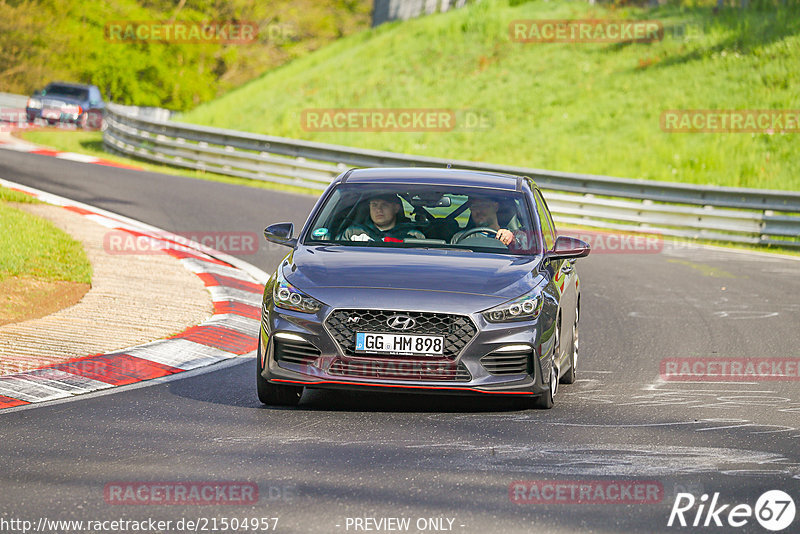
[
  {"x": 399, "y": 343},
  {"x": 51, "y": 114}
]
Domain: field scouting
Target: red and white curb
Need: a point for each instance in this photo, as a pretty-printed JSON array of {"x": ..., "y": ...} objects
[
  {"x": 232, "y": 332},
  {"x": 8, "y": 142}
]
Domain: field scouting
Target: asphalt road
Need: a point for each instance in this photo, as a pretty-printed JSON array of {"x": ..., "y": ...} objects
[{"x": 452, "y": 461}]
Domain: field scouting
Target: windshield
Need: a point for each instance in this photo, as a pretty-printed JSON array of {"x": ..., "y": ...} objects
[
  {"x": 66, "y": 90},
  {"x": 389, "y": 215}
]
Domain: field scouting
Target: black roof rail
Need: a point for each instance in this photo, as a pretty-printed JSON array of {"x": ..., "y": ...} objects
[{"x": 347, "y": 174}]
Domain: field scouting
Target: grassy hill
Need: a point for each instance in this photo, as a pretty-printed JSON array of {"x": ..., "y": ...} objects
[
  {"x": 591, "y": 108},
  {"x": 46, "y": 40}
]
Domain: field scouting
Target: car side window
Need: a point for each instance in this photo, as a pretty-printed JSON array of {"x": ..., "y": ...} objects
[
  {"x": 550, "y": 218},
  {"x": 548, "y": 230}
]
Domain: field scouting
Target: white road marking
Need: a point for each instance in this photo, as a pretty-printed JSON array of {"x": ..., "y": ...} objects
[
  {"x": 236, "y": 360},
  {"x": 222, "y": 293},
  {"x": 244, "y": 325},
  {"x": 82, "y": 158},
  {"x": 179, "y": 353}
]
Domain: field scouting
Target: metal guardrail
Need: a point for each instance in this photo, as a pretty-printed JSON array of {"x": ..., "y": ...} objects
[
  {"x": 12, "y": 111},
  {"x": 144, "y": 112},
  {"x": 753, "y": 216},
  {"x": 8, "y": 100}
]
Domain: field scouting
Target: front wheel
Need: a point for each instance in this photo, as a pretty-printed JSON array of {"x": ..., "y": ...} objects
[
  {"x": 546, "y": 400},
  {"x": 571, "y": 375},
  {"x": 274, "y": 394}
]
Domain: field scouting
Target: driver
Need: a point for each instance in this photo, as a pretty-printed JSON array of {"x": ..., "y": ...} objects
[
  {"x": 483, "y": 212},
  {"x": 383, "y": 224}
]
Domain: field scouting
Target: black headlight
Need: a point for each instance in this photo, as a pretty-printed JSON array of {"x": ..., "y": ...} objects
[
  {"x": 523, "y": 308},
  {"x": 286, "y": 296}
]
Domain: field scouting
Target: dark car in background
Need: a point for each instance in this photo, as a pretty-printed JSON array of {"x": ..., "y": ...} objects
[
  {"x": 436, "y": 304},
  {"x": 62, "y": 102}
]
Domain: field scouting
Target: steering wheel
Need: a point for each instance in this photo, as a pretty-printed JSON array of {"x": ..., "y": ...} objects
[{"x": 490, "y": 232}]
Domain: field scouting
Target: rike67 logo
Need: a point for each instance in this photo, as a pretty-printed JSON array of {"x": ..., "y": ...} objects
[{"x": 774, "y": 510}]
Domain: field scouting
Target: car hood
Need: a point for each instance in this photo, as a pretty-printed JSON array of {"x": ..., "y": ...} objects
[
  {"x": 63, "y": 98},
  {"x": 437, "y": 271}
]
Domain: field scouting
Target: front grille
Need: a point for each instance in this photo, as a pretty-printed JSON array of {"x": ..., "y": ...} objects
[
  {"x": 507, "y": 362},
  {"x": 457, "y": 330},
  {"x": 436, "y": 370},
  {"x": 300, "y": 352}
]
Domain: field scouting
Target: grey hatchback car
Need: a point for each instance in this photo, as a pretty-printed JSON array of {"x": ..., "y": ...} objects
[{"x": 437, "y": 281}]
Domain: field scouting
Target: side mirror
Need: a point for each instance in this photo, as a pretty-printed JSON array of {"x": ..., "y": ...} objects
[
  {"x": 569, "y": 247},
  {"x": 281, "y": 233}
]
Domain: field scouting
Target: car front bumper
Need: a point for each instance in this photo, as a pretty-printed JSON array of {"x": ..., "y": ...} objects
[
  {"x": 51, "y": 115},
  {"x": 317, "y": 360}
]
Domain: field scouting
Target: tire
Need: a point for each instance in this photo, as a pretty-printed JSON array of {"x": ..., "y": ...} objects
[
  {"x": 546, "y": 400},
  {"x": 274, "y": 394},
  {"x": 94, "y": 121},
  {"x": 571, "y": 375}
]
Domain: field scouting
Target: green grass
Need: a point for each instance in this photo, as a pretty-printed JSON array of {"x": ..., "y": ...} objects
[
  {"x": 591, "y": 108},
  {"x": 33, "y": 247},
  {"x": 91, "y": 144},
  {"x": 9, "y": 195},
  {"x": 43, "y": 41}
]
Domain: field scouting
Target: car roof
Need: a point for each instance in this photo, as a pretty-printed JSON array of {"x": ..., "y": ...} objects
[
  {"x": 70, "y": 84},
  {"x": 434, "y": 176}
]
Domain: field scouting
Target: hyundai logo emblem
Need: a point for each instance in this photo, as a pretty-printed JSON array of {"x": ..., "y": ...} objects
[{"x": 401, "y": 322}]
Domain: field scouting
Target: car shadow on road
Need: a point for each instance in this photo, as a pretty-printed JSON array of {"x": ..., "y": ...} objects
[{"x": 330, "y": 400}]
